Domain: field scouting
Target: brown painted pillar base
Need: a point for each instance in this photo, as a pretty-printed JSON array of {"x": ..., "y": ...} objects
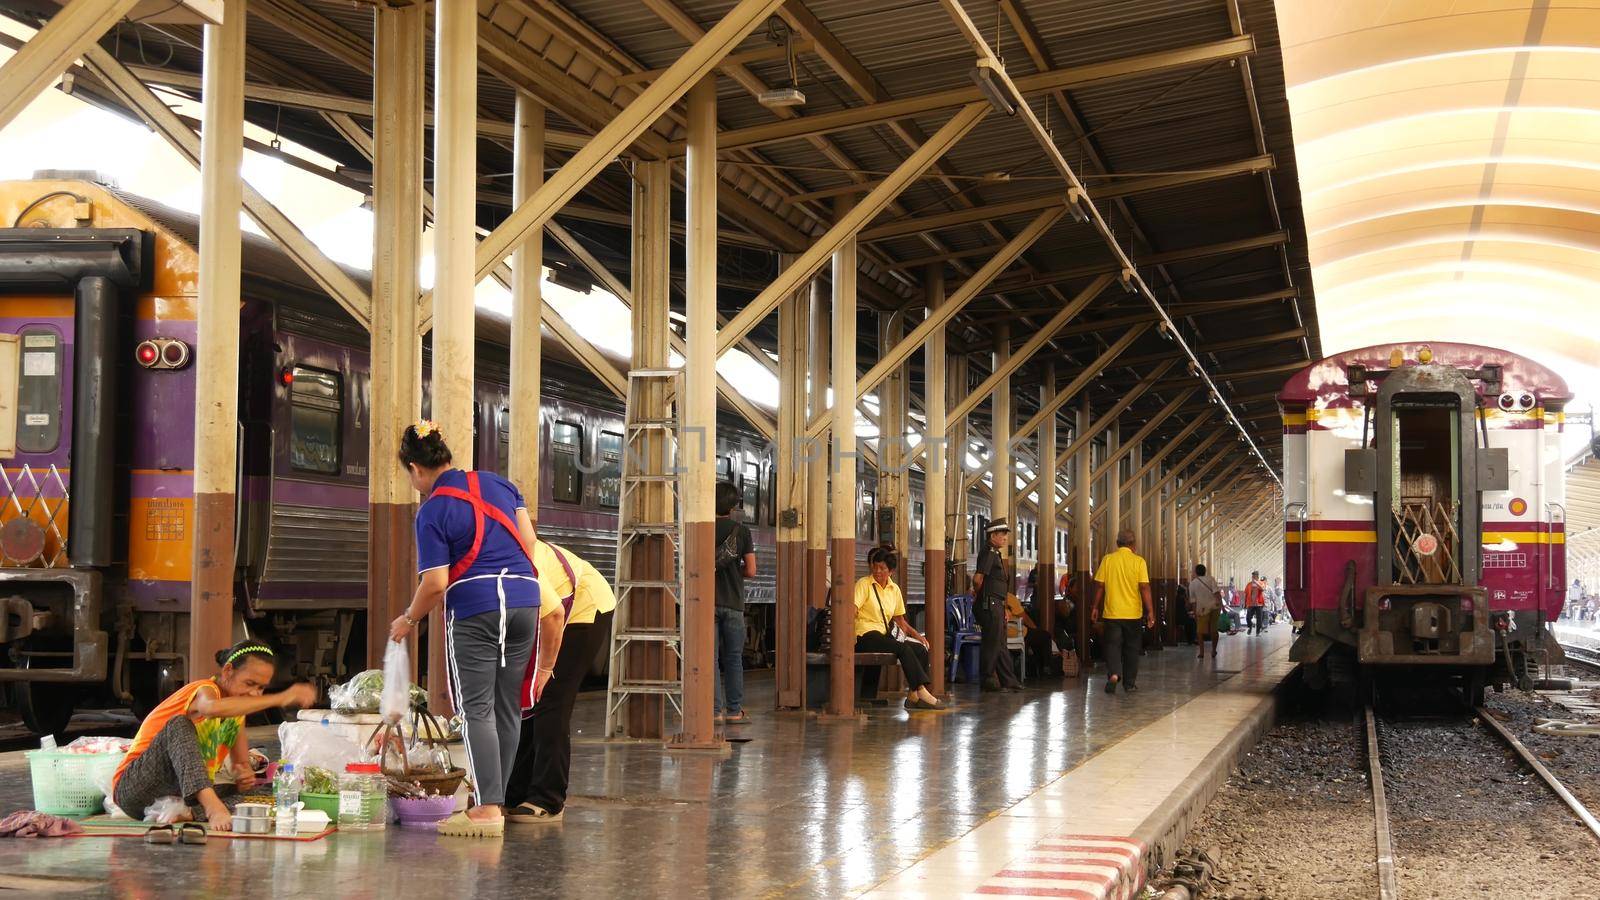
[
  {"x": 1044, "y": 599},
  {"x": 817, "y": 578},
  {"x": 211, "y": 615},
  {"x": 933, "y": 620},
  {"x": 1085, "y": 584},
  {"x": 790, "y": 625},
  {"x": 699, "y": 640},
  {"x": 391, "y": 576},
  {"x": 842, "y": 647}
]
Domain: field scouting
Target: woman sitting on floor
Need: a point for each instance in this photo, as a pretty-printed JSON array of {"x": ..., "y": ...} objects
[
  {"x": 182, "y": 744},
  {"x": 880, "y": 607}
]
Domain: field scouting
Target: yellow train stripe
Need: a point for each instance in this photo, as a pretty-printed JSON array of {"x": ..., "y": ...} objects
[
  {"x": 1329, "y": 536},
  {"x": 1524, "y": 537}
]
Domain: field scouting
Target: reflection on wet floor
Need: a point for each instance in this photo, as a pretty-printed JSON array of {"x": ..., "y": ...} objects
[{"x": 806, "y": 809}]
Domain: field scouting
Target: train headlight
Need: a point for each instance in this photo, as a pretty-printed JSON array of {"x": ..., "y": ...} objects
[{"x": 147, "y": 353}]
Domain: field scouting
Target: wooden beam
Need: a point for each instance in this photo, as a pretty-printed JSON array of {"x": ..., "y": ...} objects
[{"x": 40, "y": 61}]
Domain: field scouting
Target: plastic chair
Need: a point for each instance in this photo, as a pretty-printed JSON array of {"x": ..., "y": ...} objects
[
  {"x": 961, "y": 628},
  {"x": 1017, "y": 642}
]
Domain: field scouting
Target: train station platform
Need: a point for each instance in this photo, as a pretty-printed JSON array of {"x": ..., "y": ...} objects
[{"x": 1056, "y": 791}]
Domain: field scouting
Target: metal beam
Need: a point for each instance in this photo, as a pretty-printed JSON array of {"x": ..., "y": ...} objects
[
  {"x": 325, "y": 272},
  {"x": 889, "y": 110},
  {"x": 1183, "y": 464},
  {"x": 622, "y": 130},
  {"x": 1125, "y": 188},
  {"x": 849, "y": 225},
  {"x": 1182, "y": 254},
  {"x": 40, "y": 61},
  {"x": 1004, "y": 368}
]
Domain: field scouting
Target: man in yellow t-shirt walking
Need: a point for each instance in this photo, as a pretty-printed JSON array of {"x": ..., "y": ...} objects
[{"x": 1122, "y": 601}]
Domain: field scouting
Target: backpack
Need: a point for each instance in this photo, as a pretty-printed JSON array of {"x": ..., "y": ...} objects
[{"x": 728, "y": 551}]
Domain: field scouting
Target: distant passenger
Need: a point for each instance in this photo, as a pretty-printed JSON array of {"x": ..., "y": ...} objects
[
  {"x": 475, "y": 557},
  {"x": 1255, "y": 604},
  {"x": 187, "y": 739},
  {"x": 881, "y": 627},
  {"x": 990, "y": 587},
  {"x": 1205, "y": 602},
  {"x": 1122, "y": 601},
  {"x": 736, "y": 561},
  {"x": 537, "y": 791}
]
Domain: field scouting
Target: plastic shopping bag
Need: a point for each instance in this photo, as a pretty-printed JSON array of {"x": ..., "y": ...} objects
[{"x": 395, "y": 702}]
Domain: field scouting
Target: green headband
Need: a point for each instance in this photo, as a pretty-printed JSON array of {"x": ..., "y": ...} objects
[{"x": 253, "y": 648}]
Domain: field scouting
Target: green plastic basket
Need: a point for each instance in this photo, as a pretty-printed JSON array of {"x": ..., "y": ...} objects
[
  {"x": 67, "y": 784},
  {"x": 329, "y": 803}
]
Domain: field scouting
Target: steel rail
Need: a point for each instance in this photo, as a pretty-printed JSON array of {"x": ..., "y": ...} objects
[
  {"x": 1388, "y": 888},
  {"x": 1550, "y": 780}
]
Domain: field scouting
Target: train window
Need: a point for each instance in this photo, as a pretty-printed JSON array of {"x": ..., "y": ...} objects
[
  {"x": 316, "y": 413},
  {"x": 917, "y": 514},
  {"x": 866, "y": 521},
  {"x": 752, "y": 491},
  {"x": 725, "y": 468},
  {"x": 610, "y": 474},
  {"x": 502, "y": 437},
  {"x": 566, "y": 451}
]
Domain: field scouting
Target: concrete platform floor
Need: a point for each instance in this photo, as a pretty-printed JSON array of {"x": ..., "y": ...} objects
[{"x": 805, "y": 809}]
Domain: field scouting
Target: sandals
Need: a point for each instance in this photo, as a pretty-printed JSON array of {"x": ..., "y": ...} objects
[
  {"x": 161, "y": 834},
  {"x": 191, "y": 833},
  {"x": 743, "y": 718},
  {"x": 462, "y": 825},
  {"x": 917, "y": 703},
  {"x": 531, "y": 814}
]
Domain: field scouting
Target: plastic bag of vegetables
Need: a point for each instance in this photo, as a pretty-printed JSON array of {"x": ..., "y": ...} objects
[{"x": 360, "y": 694}]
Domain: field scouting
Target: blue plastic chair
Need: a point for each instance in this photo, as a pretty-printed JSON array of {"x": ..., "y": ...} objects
[{"x": 961, "y": 629}]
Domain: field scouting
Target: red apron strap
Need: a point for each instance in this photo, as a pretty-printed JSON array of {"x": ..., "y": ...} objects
[
  {"x": 481, "y": 508},
  {"x": 572, "y": 579}
]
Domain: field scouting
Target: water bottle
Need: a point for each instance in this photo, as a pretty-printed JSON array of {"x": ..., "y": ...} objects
[{"x": 286, "y": 793}]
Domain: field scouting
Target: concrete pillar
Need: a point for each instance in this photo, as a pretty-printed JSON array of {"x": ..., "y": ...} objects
[
  {"x": 790, "y": 618},
  {"x": 399, "y": 54},
  {"x": 894, "y": 487},
  {"x": 652, "y": 557},
  {"x": 455, "y": 175},
  {"x": 699, "y": 405},
  {"x": 956, "y": 496},
  {"x": 216, "y": 408},
  {"x": 845, "y": 503},
  {"x": 1113, "y": 495},
  {"x": 1045, "y": 585},
  {"x": 527, "y": 265},
  {"x": 818, "y": 450},
  {"x": 1082, "y": 564},
  {"x": 1001, "y": 423},
  {"x": 936, "y": 489}
]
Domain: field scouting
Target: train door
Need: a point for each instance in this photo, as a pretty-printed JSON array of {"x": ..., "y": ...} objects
[{"x": 1425, "y": 463}]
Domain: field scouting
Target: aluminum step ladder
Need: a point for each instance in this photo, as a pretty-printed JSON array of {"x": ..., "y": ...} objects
[{"x": 649, "y": 522}]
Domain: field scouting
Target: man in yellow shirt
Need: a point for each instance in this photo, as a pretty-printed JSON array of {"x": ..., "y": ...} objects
[
  {"x": 538, "y": 787},
  {"x": 1122, "y": 601}
]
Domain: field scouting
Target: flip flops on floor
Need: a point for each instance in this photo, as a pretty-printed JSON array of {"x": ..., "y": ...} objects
[
  {"x": 463, "y": 825},
  {"x": 531, "y": 814},
  {"x": 185, "y": 833}
]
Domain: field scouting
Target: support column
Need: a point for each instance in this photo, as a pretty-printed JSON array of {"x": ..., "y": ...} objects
[
  {"x": 936, "y": 482},
  {"x": 894, "y": 488},
  {"x": 842, "y": 654},
  {"x": 1045, "y": 584},
  {"x": 818, "y": 331},
  {"x": 455, "y": 159},
  {"x": 700, "y": 422},
  {"x": 1001, "y": 423},
  {"x": 1082, "y": 565},
  {"x": 958, "y": 384},
  {"x": 527, "y": 276},
  {"x": 790, "y": 618},
  {"x": 216, "y": 408},
  {"x": 1113, "y": 497},
  {"x": 399, "y": 55},
  {"x": 652, "y": 557}
]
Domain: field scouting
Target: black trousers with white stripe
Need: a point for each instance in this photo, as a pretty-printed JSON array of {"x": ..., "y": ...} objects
[{"x": 488, "y": 692}]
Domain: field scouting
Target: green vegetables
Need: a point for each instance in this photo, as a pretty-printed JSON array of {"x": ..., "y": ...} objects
[
  {"x": 320, "y": 781},
  {"x": 363, "y": 693}
]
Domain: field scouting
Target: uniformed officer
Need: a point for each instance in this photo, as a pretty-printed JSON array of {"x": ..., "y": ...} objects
[{"x": 990, "y": 587}]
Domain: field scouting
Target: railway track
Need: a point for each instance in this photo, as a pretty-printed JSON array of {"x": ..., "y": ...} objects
[
  {"x": 1589, "y": 656},
  {"x": 1387, "y": 872}
]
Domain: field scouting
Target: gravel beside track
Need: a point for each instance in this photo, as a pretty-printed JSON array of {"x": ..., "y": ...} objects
[{"x": 1295, "y": 819}]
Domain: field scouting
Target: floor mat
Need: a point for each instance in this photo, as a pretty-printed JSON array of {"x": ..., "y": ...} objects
[{"x": 106, "y": 826}]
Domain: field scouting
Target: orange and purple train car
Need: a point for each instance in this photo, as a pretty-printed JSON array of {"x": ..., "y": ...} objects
[{"x": 1424, "y": 524}]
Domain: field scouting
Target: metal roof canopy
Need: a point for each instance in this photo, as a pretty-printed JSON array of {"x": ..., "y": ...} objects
[{"x": 1171, "y": 112}]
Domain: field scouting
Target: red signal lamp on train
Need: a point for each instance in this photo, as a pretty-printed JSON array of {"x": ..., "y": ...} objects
[
  {"x": 162, "y": 353},
  {"x": 286, "y": 377}
]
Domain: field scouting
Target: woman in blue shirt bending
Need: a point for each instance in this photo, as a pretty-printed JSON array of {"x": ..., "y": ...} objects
[{"x": 473, "y": 552}]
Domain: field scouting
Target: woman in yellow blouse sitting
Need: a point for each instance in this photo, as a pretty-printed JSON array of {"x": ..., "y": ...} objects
[{"x": 880, "y": 609}]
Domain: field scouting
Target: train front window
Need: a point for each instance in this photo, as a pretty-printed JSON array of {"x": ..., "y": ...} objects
[
  {"x": 751, "y": 486},
  {"x": 566, "y": 445},
  {"x": 316, "y": 415},
  {"x": 610, "y": 474}
]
